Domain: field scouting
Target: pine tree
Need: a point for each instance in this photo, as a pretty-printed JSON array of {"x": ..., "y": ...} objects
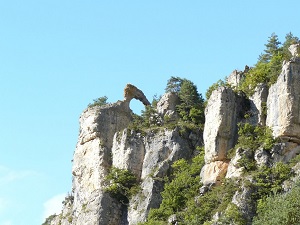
[
  {"x": 272, "y": 49},
  {"x": 192, "y": 103}
]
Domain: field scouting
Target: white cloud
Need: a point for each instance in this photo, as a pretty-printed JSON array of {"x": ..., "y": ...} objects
[
  {"x": 53, "y": 205},
  {"x": 3, "y": 205},
  {"x": 6, "y": 222},
  {"x": 8, "y": 175}
]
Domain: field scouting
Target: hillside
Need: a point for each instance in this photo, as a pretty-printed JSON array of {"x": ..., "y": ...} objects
[{"x": 224, "y": 160}]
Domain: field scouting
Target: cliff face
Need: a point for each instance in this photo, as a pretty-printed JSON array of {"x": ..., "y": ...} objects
[
  {"x": 278, "y": 108},
  {"x": 105, "y": 141}
]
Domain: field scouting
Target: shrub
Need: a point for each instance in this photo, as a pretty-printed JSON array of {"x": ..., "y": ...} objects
[
  {"x": 279, "y": 209},
  {"x": 253, "y": 137},
  {"x": 184, "y": 185},
  {"x": 99, "y": 102},
  {"x": 121, "y": 184}
]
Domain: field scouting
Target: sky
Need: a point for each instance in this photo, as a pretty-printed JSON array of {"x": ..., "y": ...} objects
[{"x": 56, "y": 56}]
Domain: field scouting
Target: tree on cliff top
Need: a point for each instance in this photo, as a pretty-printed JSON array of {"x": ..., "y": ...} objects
[{"x": 191, "y": 108}]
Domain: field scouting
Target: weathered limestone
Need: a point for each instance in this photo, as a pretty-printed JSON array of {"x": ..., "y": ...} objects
[
  {"x": 220, "y": 133},
  {"x": 233, "y": 169},
  {"x": 258, "y": 105},
  {"x": 236, "y": 77},
  {"x": 132, "y": 91},
  {"x": 105, "y": 141},
  {"x": 220, "y": 124},
  {"x": 213, "y": 172},
  {"x": 294, "y": 49},
  {"x": 128, "y": 151},
  {"x": 284, "y": 103},
  {"x": 166, "y": 106},
  {"x": 161, "y": 150},
  {"x": 91, "y": 162}
]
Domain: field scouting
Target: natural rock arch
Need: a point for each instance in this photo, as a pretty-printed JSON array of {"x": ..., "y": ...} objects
[{"x": 131, "y": 91}]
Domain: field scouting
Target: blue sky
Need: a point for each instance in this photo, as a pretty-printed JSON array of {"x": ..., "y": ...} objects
[{"x": 57, "y": 56}]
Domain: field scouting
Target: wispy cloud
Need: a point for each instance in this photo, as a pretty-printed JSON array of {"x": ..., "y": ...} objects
[
  {"x": 3, "y": 205},
  {"x": 6, "y": 222},
  {"x": 53, "y": 205},
  {"x": 8, "y": 175}
]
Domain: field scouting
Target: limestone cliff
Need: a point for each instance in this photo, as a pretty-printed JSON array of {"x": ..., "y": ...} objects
[{"x": 106, "y": 140}]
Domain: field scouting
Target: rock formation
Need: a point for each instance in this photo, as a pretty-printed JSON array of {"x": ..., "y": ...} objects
[
  {"x": 105, "y": 141},
  {"x": 284, "y": 103},
  {"x": 131, "y": 92},
  {"x": 220, "y": 132}
]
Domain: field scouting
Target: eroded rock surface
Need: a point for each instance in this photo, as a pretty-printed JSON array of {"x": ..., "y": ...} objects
[
  {"x": 132, "y": 91},
  {"x": 105, "y": 141},
  {"x": 283, "y": 104},
  {"x": 220, "y": 124}
]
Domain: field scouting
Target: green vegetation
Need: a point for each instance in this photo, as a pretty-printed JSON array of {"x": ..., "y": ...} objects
[
  {"x": 191, "y": 106},
  {"x": 279, "y": 209},
  {"x": 49, "y": 219},
  {"x": 121, "y": 184},
  {"x": 99, "y": 102},
  {"x": 269, "y": 64},
  {"x": 181, "y": 196},
  {"x": 214, "y": 86},
  {"x": 190, "y": 109},
  {"x": 253, "y": 137}
]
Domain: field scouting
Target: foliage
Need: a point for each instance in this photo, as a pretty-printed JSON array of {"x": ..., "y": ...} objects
[
  {"x": 250, "y": 139},
  {"x": 215, "y": 200},
  {"x": 272, "y": 49},
  {"x": 99, "y": 102},
  {"x": 219, "y": 83},
  {"x": 49, "y": 219},
  {"x": 253, "y": 137},
  {"x": 232, "y": 215},
  {"x": 279, "y": 209},
  {"x": 174, "y": 84},
  {"x": 121, "y": 184},
  {"x": 269, "y": 64},
  {"x": 184, "y": 185},
  {"x": 269, "y": 180},
  {"x": 181, "y": 196},
  {"x": 191, "y": 107}
]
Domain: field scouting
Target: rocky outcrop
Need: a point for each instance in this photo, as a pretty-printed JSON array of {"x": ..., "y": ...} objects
[
  {"x": 132, "y": 91},
  {"x": 105, "y": 141},
  {"x": 213, "y": 172},
  {"x": 236, "y": 77},
  {"x": 283, "y": 104},
  {"x": 258, "y": 106},
  {"x": 149, "y": 157},
  {"x": 222, "y": 114},
  {"x": 220, "y": 124},
  {"x": 161, "y": 150},
  {"x": 294, "y": 49},
  {"x": 166, "y": 106},
  {"x": 91, "y": 162}
]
